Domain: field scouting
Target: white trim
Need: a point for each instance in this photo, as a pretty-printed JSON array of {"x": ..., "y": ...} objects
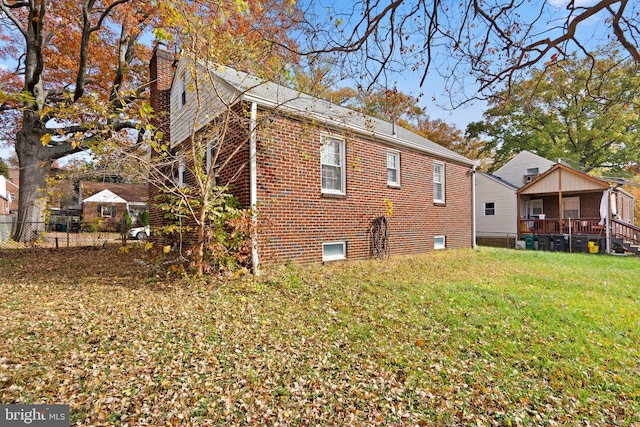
[
  {"x": 335, "y": 257},
  {"x": 494, "y": 209},
  {"x": 537, "y": 172},
  {"x": 396, "y": 155},
  {"x": 437, "y": 245},
  {"x": 473, "y": 208},
  {"x": 328, "y": 119},
  {"x": 182, "y": 86},
  {"x": 529, "y": 208},
  {"x": 253, "y": 187},
  {"x": 362, "y": 131},
  {"x": 182, "y": 167},
  {"x": 343, "y": 158},
  {"x": 443, "y": 178},
  {"x": 571, "y": 199}
]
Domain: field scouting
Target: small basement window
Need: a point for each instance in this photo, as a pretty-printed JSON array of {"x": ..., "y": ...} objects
[
  {"x": 439, "y": 242},
  {"x": 334, "y": 251}
]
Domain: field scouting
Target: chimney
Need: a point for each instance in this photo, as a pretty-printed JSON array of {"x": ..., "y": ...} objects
[{"x": 161, "y": 70}]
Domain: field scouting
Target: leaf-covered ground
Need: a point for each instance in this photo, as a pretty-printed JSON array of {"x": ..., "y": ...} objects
[{"x": 487, "y": 337}]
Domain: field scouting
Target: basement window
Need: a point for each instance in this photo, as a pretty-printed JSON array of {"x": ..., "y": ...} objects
[
  {"x": 439, "y": 242},
  {"x": 334, "y": 251}
]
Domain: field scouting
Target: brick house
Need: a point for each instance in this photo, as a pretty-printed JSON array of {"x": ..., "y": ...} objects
[
  {"x": 321, "y": 176},
  {"x": 106, "y": 202}
]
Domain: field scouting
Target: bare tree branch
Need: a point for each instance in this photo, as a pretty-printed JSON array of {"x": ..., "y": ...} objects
[{"x": 14, "y": 19}]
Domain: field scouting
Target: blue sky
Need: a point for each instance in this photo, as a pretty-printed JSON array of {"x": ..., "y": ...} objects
[{"x": 434, "y": 97}]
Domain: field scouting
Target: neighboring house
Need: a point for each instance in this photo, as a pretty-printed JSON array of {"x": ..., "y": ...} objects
[
  {"x": 106, "y": 202},
  {"x": 496, "y": 204},
  {"x": 323, "y": 174},
  {"x": 5, "y": 201},
  {"x": 9, "y": 193},
  {"x": 552, "y": 202},
  {"x": 496, "y": 199}
]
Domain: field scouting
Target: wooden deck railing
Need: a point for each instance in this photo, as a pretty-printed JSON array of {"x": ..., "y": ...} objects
[
  {"x": 560, "y": 226},
  {"x": 625, "y": 231}
]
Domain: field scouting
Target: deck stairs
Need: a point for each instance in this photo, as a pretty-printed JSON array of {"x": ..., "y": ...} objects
[{"x": 626, "y": 237}]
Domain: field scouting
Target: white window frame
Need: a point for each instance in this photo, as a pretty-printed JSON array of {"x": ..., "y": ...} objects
[
  {"x": 439, "y": 181},
  {"x": 182, "y": 87},
  {"x": 343, "y": 256},
  {"x": 396, "y": 156},
  {"x": 439, "y": 242},
  {"x": 324, "y": 139},
  {"x": 564, "y": 205},
  {"x": 532, "y": 171},
  {"x": 106, "y": 211},
  {"x": 493, "y": 208},
  {"x": 531, "y": 205}
]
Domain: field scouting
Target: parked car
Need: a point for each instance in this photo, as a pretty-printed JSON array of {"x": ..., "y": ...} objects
[{"x": 140, "y": 233}]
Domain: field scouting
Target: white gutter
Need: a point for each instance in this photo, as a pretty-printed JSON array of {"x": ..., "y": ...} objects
[
  {"x": 473, "y": 207},
  {"x": 366, "y": 132},
  {"x": 253, "y": 186}
]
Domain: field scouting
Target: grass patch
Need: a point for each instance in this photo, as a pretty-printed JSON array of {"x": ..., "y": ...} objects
[{"x": 485, "y": 337}]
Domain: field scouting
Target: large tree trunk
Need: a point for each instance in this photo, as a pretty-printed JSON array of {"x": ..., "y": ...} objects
[{"x": 35, "y": 167}]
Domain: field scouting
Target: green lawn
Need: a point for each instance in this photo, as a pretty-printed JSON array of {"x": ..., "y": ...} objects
[{"x": 486, "y": 337}]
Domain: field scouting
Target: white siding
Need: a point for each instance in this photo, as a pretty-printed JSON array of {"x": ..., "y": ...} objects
[
  {"x": 215, "y": 96},
  {"x": 515, "y": 169},
  {"x": 566, "y": 180},
  {"x": 503, "y": 223}
]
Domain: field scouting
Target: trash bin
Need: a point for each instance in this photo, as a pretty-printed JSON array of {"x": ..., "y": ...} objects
[
  {"x": 579, "y": 244},
  {"x": 559, "y": 244},
  {"x": 529, "y": 240},
  {"x": 544, "y": 243}
]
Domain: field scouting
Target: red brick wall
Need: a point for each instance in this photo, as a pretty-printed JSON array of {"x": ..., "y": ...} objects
[
  {"x": 161, "y": 74},
  {"x": 296, "y": 218},
  {"x": 589, "y": 205},
  {"x": 234, "y": 156}
]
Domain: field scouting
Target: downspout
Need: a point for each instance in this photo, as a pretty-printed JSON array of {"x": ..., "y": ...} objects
[
  {"x": 253, "y": 186},
  {"x": 608, "y": 221},
  {"x": 473, "y": 207}
]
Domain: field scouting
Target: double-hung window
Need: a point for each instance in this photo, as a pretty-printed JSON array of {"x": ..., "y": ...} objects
[
  {"x": 438, "y": 182},
  {"x": 332, "y": 159},
  {"x": 393, "y": 168},
  {"x": 489, "y": 208}
]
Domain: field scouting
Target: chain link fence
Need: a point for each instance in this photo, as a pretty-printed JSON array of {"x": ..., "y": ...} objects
[{"x": 57, "y": 235}]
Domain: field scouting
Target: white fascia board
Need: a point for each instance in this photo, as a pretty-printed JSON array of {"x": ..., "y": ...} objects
[{"x": 390, "y": 139}]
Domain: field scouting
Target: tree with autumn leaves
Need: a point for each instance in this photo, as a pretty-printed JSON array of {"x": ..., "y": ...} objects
[
  {"x": 214, "y": 36},
  {"x": 80, "y": 72},
  {"x": 572, "y": 109}
]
